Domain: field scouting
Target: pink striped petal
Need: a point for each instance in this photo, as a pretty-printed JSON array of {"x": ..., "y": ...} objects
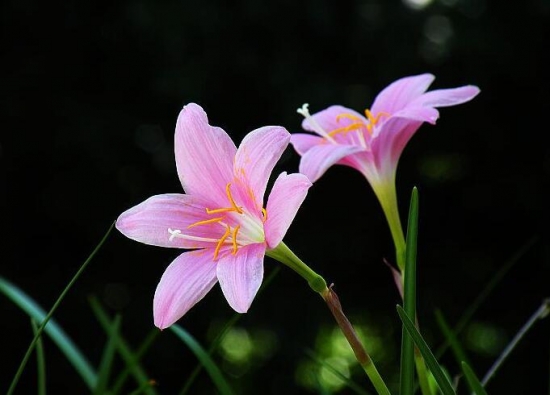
[
  {"x": 318, "y": 159},
  {"x": 286, "y": 197},
  {"x": 303, "y": 142},
  {"x": 256, "y": 157},
  {"x": 415, "y": 113},
  {"x": 447, "y": 97},
  {"x": 241, "y": 275},
  {"x": 204, "y": 155},
  {"x": 329, "y": 119},
  {"x": 149, "y": 222},
  {"x": 185, "y": 282},
  {"x": 400, "y": 93}
]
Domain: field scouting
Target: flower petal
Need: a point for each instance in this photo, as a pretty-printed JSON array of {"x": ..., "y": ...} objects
[
  {"x": 204, "y": 155},
  {"x": 447, "y": 97},
  {"x": 185, "y": 281},
  {"x": 241, "y": 275},
  {"x": 318, "y": 159},
  {"x": 415, "y": 113},
  {"x": 286, "y": 197},
  {"x": 256, "y": 157},
  {"x": 400, "y": 93},
  {"x": 330, "y": 119},
  {"x": 149, "y": 222},
  {"x": 303, "y": 142}
]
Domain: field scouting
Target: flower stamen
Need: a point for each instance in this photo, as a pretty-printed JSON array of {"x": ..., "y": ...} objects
[
  {"x": 233, "y": 207},
  {"x": 206, "y": 221},
  {"x": 264, "y": 215},
  {"x": 221, "y": 241},
  {"x": 234, "y": 239}
]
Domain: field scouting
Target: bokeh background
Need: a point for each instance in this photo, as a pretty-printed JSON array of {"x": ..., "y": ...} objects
[{"x": 90, "y": 95}]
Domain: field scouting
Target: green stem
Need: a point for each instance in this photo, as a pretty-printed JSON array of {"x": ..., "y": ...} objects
[
  {"x": 387, "y": 196},
  {"x": 361, "y": 354},
  {"x": 284, "y": 255}
]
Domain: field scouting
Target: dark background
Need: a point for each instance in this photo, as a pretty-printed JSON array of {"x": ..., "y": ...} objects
[{"x": 90, "y": 96}]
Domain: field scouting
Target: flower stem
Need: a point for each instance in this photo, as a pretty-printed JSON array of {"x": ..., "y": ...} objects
[
  {"x": 284, "y": 255},
  {"x": 361, "y": 355}
]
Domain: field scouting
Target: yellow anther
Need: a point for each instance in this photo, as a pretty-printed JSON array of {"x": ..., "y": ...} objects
[
  {"x": 221, "y": 241},
  {"x": 234, "y": 239},
  {"x": 206, "y": 221},
  {"x": 349, "y": 128},
  {"x": 233, "y": 207},
  {"x": 348, "y": 116},
  {"x": 264, "y": 214},
  {"x": 375, "y": 119}
]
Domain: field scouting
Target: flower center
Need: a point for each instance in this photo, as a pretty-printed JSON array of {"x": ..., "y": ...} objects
[
  {"x": 357, "y": 124},
  {"x": 231, "y": 234}
]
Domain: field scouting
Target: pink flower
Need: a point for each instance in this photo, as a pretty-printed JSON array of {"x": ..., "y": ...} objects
[
  {"x": 372, "y": 143},
  {"x": 221, "y": 217}
]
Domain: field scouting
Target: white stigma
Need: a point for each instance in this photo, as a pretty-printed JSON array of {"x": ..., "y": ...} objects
[
  {"x": 304, "y": 111},
  {"x": 174, "y": 233}
]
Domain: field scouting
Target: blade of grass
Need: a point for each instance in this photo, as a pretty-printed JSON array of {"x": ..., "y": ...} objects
[
  {"x": 346, "y": 380},
  {"x": 228, "y": 325},
  {"x": 473, "y": 382},
  {"x": 40, "y": 361},
  {"x": 123, "y": 376},
  {"x": 409, "y": 300},
  {"x": 212, "y": 369},
  {"x": 123, "y": 349},
  {"x": 53, "y": 330},
  {"x": 107, "y": 359},
  {"x": 452, "y": 340},
  {"x": 442, "y": 380},
  {"x": 85, "y": 374},
  {"x": 540, "y": 313},
  {"x": 494, "y": 280}
]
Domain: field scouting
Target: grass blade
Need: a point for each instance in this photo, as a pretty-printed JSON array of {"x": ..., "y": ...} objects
[
  {"x": 107, "y": 359},
  {"x": 442, "y": 380},
  {"x": 494, "y": 280},
  {"x": 450, "y": 337},
  {"x": 53, "y": 330},
  {"x": 144, "y": 383},
  {"x": 40, "y": 361},
  {"x": 123, "y": 376},
  {"x": 346, "y": 380},
  {"x": 212, "y": 369},
  {"x": 409, "y": 299},
  {"x": 45, "y": 320},
  {"x": 473, "y": 381},
  {"x": 540, "y": 313}
]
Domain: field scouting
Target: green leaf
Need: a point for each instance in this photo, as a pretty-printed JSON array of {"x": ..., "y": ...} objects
[
  {"x": 53, "y": 330},
  {"x": 40, "y": 361},
  {"x": 442, "y": 380},
  {"x": 452, "y": 340},
  {"x": 473, "y": 381},
  {"x": 123, "y": 349},
  {"x": 108, "y": 357},
  {"x": 409, "y": 299},
  {"x": 212, "y": 369}
]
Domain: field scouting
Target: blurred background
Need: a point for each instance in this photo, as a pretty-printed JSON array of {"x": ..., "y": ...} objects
[{"x": 90, "y": 96}]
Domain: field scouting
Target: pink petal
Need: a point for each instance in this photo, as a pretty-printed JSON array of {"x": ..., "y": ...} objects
[
  {"x": 286, "y": 197},
  {"x": 447, "y": 97},
  {"x": 241, "y": 275},
  {"x": 186, "y": 281},
  {"x": 256, "y": 157},
  {"x": 329, "y": 119},
  {"x": 318, "y": 159},
  {"x": 400, "y": 93},
  {"x": 204, "y": 155},
  {"x": 149, "y": 221},
  {"x": 415, "y": 112},
  {"x": 303, "y": 142}
]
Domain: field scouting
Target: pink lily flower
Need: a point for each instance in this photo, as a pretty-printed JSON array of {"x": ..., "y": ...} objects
[
  {"x": 373, "y": 142},
  {"x": 221, "y": 218}
]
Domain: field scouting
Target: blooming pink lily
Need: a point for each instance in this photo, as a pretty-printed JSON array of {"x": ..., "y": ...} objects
[
  {"x": 373, "y": 142},
  {"x": 221, "y": 218}
]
